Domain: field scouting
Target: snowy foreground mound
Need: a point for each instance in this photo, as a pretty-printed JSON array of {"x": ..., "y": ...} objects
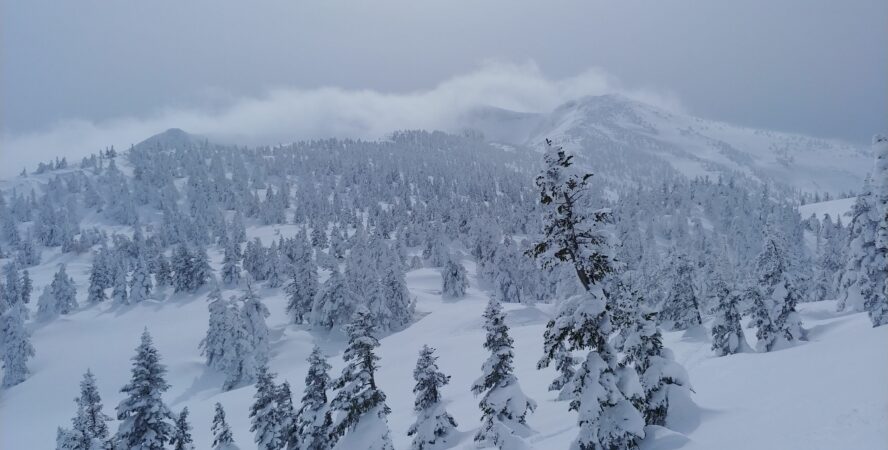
[{"x": 828, "y": 393}]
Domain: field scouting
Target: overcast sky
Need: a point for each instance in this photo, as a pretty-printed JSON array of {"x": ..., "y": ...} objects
[{"x": 76, "y": 69}]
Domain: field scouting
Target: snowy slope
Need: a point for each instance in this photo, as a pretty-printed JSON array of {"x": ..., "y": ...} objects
[
  {"x": 636, "y": 137},
  {"x": 824, "y": 394}
]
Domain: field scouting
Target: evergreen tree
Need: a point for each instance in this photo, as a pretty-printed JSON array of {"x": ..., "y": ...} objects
[
  {"x": 90, "y": 425},
  {"x": 253, "y": 315},
  {"x": 181, "y": 267},
  {"x": 27, "y": 287},
  {"x": 119, "y": 293},
  {"x": 577, "y": 236},
  {"x": 863, "y": 276},
  {"x": 98, "y": 280},
  {"x": 16, "y": 348},
  {"x": 59, "y": 297},
  {"x": 774, "y": 308},
  {"x": 727, "y": 331},
  {"x": 681, "y": 309},
  {"x": 359, "y": 405},
  {"x": 504, "y": 406},
  {"x": 222, "y": 437},
  {"x": 266, "y": 422},
  {"x": 334, "y": 304},
  {"x": 181, "y": 439},
  {"x": 455, "y": 279},
  {"x": 313, "y": 421},
  {"x": 146, "y": 420},
  {"x": 876, "y": 303},
  {"x": 288, "y": 415},
  {"x": 566, "y": 365},
  {"x": 303, "y": 286},
  {"x": 140, "y": 284},
  {"x": 434, "y": 426},
  {"x": 231, "y": 271}
]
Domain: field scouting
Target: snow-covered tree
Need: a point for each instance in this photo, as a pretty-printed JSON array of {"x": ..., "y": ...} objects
[
  {"x": 434, "y": 426},
  {"x": 313, "y": 420},
  {"x": 394, "y": 307},
  {"x": 146, "y": 421},
  {"x": 181, "y": 439},
  {"x": 16, "y": 345},
  {"x": 576, "y": 235},
  {"x": 253, "y": 315},
  {"x": 504, "y": 406},
  {"x": 265, "y": 420},
  {"x": 774, "y": 305},
  {"x": 358, "y": 408},
  {"x": 231, "y": 271},
  {"x": 303, "y": 286},
  {"x": 681, "y": 310},
  {"x": 727, "y": 331},
  {"x": 119, "y": 293},
  {"x": 334, "y": 304},
  {"x": 223, "y": 439},
  {"x": 863, "y": 277},
  {"x": 566, "y": 365},
  {"x": 455, "y": 279},
  {"x": 288, "y": 415},
  {"x": 140, "y": 283},
  {"x": 90, "y": 425},
  {"x": 876, "y": 303},
  {"x": 59, "y": 297}
]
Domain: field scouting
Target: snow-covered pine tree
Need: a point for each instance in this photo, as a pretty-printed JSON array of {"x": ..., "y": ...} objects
[
  {"x": 265, "y": 419},
  {"x": 218, "y": 346},
  {"x": 16, "y": 348},
  {"x": 288, "y": 415},
  {"x": 727, "y": 331},
  {"x": 140, "y": 283},
  {"x": 454, "y": 278},
  {"x": 566, "y": 365},
  {"x": 253, "y": 315},
  {"x": 434, "y": 426},
  {"x": 681, "y": 310},
  {"x": 222, "y": 436},
  {"x": 60, "y": 297},
  {"x": 504, "y": 406},
  {"x": 876, "y": 304},
  {"x": 90, "y": 425},
  {"x": 303, "y": 286},
  {"x": 146, "y": 419},
  {"x": 576, "y": 235},
  {"x": 313, "y": 421},
  {"x": 394, "y": 307},
  {"x": 860, "y": 279},
  {"x": 359, "y": 409},
  {"x": 119, "y": 293},
  {"x": 662, "y": 379},
  {"x": 181, "y": 439},
  {"x": 334, "y": 304},
  {"x": 231, "y": 271},
  {"x": 181, "y": 267},
  {"x": 774, "y": 310},
  {"x": 201, "y": 271}
]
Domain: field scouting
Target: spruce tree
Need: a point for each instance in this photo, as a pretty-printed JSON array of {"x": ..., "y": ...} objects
[
  {"x": 222, "y": 437},
  {"x": 434, "y": 426},
  {"x": 359, "y": 408},
  {"x": 181, "y": 439},
  {"x": 876, "y": 303},
  {"x": 253, "y": 315},
  {"x": 17, "y": 348},
  {"x": 265, "y": 419},
  {"x": 288, "y": 415},
  {"x": 313, "y": 421},
  {"x": 504, "y": 406},
  {"x": 577, "y": 236},
  {"x": 303, "y": 286},
  {"x": 146, "y": 421},
  {"x": 60, "y": 297},
  {"x": 99, "y": 279},
  {"x": 181, "y": 267},
  {"x": 140, "y": 284},
  {"x": 334, "y": 304},
  {"x": 231, "y": 271},
  {"x": 774, "y": 309},
  {"x": 455, "y": 280},
  {"x": 119, "y": 292},
  {"x": 681, "y": 309},
  {"x": 90, "y": 425},
  {"x": 566, "y": 365},
  {"x": 727, "y": 331}
]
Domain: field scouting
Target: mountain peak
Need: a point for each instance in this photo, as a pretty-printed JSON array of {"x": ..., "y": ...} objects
[{"x": 173, "y": 138}]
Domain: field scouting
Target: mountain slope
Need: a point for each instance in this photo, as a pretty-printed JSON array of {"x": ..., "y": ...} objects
[{"x": 632, "y": 138}]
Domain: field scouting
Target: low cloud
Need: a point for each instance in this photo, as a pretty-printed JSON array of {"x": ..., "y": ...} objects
[{"x": 285, "y": 115}]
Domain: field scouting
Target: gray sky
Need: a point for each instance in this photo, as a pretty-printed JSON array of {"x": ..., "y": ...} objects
[{"x": 79, "y": 69}]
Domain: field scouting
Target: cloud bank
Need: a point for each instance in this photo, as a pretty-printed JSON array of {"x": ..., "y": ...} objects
[{"x": 286, "y": 114}]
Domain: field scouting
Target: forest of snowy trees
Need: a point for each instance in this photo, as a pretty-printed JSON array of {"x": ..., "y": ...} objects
[{"x": 619, "y": 262}]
